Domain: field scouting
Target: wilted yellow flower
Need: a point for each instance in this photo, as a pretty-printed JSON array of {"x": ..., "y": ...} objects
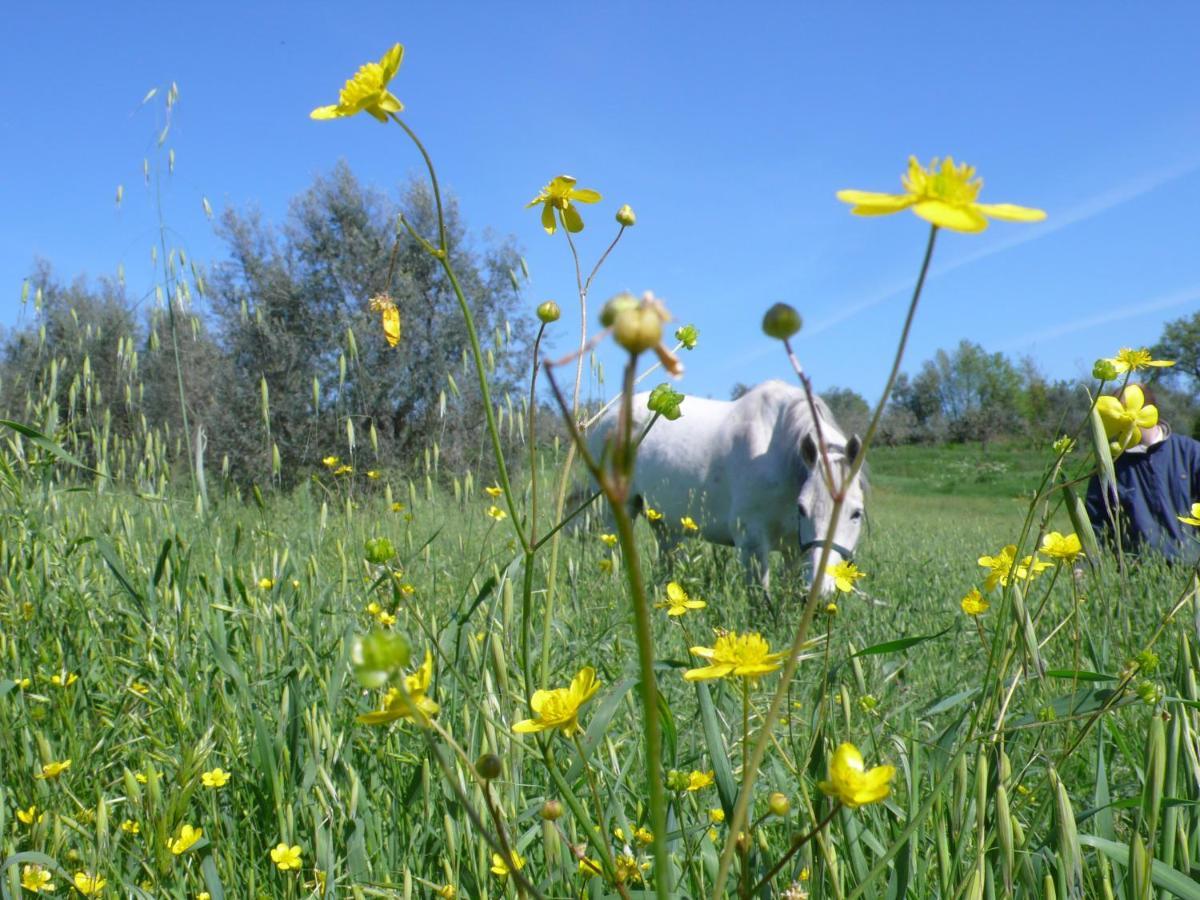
[
  {"x": 63, "y": 680},
  {"x": 36, "y": 879},
  {"x": 629, "y": 870},
  {"x": 29, "y": 816},
  {"x": 844, "y": 574},
  {"x": 850, "y": 784},
  {"x": 447, "y": 892},
  {"x": 501, "y": 867},
  {"x": 973, "y": 603},
  {"x": 493, "y": 490},
  {"x": 89, "y": 885},
  {"x": 746, "y": 656},
  {"x": 497, "y": 513},
  {"x": 188, "y": 836},
  {"x": 689, "y": 524},
  {"x": 1061, "y": 547},
  {"x": 605, "y": 566},
  {"x": 367, "y": 90},
  {"x": 561, "y": 194},
  {"x": 609, "y": 540},
  {"x": 698, "y": 781},
  {"x": 416, "y": 707},
  {"x": 1194, "y": 518},
  {"x": 397, "y": 506},
  {"x": 944, "y": 195},
  {"x": 286, "y": 857},
  {"x": 1125, "y": 418},
  {"x": 140, "y": 688},
  {"x": 389, "y": 319},
  {"x": 653, "y": 514},
  {"x": 1130, "y": 360},
  {"x": 559, "y": 708},
  {"x": 215, "y": 778},
  {"x": 54, "y": 769},
  {"x": 678, "y": 602}
]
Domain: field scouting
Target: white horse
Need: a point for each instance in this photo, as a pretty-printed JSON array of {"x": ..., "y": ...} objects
[{"x": 746, "y": 472}]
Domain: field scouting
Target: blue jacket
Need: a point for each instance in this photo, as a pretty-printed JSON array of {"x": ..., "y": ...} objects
[{"x": 1153, "y": 487}]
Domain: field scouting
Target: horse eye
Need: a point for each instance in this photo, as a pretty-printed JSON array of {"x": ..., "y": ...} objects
[
  {"x": 803, "y": 511},
  {"x": 856, "y": 515}
]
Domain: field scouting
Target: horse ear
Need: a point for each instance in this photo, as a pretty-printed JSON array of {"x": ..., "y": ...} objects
[
  {"x": 808, "y": 451},
  {"x": 853, "y": 448}
]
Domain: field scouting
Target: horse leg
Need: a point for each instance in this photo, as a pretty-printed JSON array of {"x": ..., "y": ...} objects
[{"x": 756, "y": 558}]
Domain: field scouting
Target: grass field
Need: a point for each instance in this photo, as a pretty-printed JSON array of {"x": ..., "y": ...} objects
[{"x": 149, "y": 645}]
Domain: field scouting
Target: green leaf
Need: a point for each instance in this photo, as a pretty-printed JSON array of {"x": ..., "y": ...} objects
[
  {"x": 598, "y": 726},
  {"x": 899, "y": 644},
  {"x": 47, "y": 444},
  {"x": 1161, "y": 874},
  {"x": 722, "y": 770},
  {"x": 1080, "y": 675},
  {"x": 212, "y": 881}
]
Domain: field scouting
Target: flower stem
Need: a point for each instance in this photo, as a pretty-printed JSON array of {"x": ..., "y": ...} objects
[
  {"x": 792, "y": 660},
  {"x": 795, "y": 848}
]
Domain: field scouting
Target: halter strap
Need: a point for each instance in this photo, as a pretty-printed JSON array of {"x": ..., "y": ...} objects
[{"x": 806, "y": 545}]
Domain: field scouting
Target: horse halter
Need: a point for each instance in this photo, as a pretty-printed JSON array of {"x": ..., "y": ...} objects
[{"x": 808, "y": 538}]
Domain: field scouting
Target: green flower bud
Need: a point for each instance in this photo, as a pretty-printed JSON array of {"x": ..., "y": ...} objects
[
  {"x": 549, "y": 312},
  {"x": 687, "y": 335},
  {"x": 779, "y": 804},
  {"x": 551, "y": 810},
  {"x": 781, "y": 321},
  {"x": 665, "y": 401},
  {"x": 375, "y": 657},
  {"x": 379, "y": 550},
  {"x": 1046, "y": 714},
  {"x": 639, "y": 329},
  {"x": 1104, "y": 370},
  {"x": 488, "y": 766},
  {"x": 619, "y": 303},
  {"x": 625, "y": 216}
]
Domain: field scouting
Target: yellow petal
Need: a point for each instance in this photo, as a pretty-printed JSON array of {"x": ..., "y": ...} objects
[
  {"x": 548, "y": 220},
  {"x": 956, "y": 218},
  {"x": 585, "y": 195},
  {"x": 870, "y": 203},
  {"x": 391, "y": 326},
  {"x": 1010, "y": 212},
  {"x": 1133, "y": 398},
  {"x": 390, "y": 103},
  {"x": 324, "y": 112},
  {"x": 528, "y": 726},
  {"x": 391, "y": 62},
  {"x": 572, "y": 219}
]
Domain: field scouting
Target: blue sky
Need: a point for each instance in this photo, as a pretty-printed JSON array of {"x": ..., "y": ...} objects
[{"x": 728, "y": 128}]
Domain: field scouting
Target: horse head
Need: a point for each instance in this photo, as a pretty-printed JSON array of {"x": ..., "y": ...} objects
[{"x": 815, "y": 504}]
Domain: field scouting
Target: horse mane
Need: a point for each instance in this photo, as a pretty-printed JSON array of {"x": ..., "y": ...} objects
[{"x": 797, "y": 419}]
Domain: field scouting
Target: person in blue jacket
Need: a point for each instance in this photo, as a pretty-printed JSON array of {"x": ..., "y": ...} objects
[{"x": 1158, "y": 480}]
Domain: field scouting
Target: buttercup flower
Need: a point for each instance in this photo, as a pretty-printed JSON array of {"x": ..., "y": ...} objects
[
  {"x": 689, "y": 524},
  {"x": 63, "y": 680},
  {"x": 678, "y": 602},
  {"x": 608, "y": 540},
  {"x": 54, "y": 769},
  {"x": 447, "y": 892},
  {"x": 653, "y": 514},
  {"x": 844, "y": 574},
  {"x": 1194, "y": 518},
  {"x": 588, "y": 868},
  {"x": 188, "y": 836},
  {"x": 1125, "y": 418},
  {"x": 944, "y": 195},
  {"x": 561, "y": 194},
  {"x": 698, "y": 781},
  {"x": 36, "y": 879},
  {"x": 265, "y": 584},
  {"x": 746, "y": 656},
  {"x": 89, "y": 885},
  {"x": 493, "y": 490},
  {"x": 497, "y": 513},
  {"x": 1130, "y": 360},
  {"x": 501, "y": 867},
  {"x": 973, "y": 604},
  {"x": 417, "y": 707},
  {"x": 331, "y": 462},
  {"x": 850, "y": 784},
  {"x": 367, "y": 90},
  {"x": 1061, "y": 547},
  {"x": 559, "y": 708},
  {"x": 29, "y": 816},
  {"x": 285, "y": 857},
  {"x": 214, "y": 778},
  {"x": 131, "y": 827},
  {"x": 389, "y": 319},
  {"x": 1004, "y": 565}
]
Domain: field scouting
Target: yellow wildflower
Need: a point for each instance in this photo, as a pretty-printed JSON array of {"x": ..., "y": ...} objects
[
  {"x": 265, "y": 584},
  {"x": 629, "y": 870},
  {"x": 390, "y": 321},
  {"x": 559, "y": 708},
  {"x": 140, "y": 777},
  {"x": 331, "y": 462},
  {"x": 23, "y": 684},
  {"x": 678, "y": 602},
  {"x": 204, "y": 895},
  {"x": 746, "y": 656},
  {"x": 831, "y": 609},
  {"x": 286, "y": 857},
  {"x": 716, "y": 816},
  {"x": 140, "y": 688},
  {"x": 501, "y": 867},
  {"x": 374, "y": 609},
  {"x": 643, "y": 836},
  {"x": 215, "y": 778},
  {"x": 397, "y": 506},
  {"x": 497, "y": 513},
  {"x": 373, "y": 474},
  {"x": 187, "y": 838},
  {"x": 588, "y": 868},
  {"x": 131, "y": 827},
  {"x": 386, "y": 619},
  {"x": 653, "y": 514},
  {"x": 605, "y": 566},
  {"x": 973, "y": 603},
  {"x": 561, "y": 194},
  {"x": 1125, "y": 418},
  {"x": 344, "y": 470},
  {"x": 844, "y": 574},
  {"x": 63, "y": 679},
  {"x": 36, "y": 879},
  {"x": 851, "y": 784},
  {"x": 1194, "y": 518},
  {"x": 1061, "y": 547},
  {"x": 89, "y": 885},
  {"x": 416, "y": 707},
  {"x": 367, "y": 90},
  {"x": 493, "y": 490},
  {"x": 944, "y": 195},
  {"x": 1130, "y": 360},
  {"x": 54, "y": 769},
  {"x": 698, "y": 781},
  {"x": 29, "y": 816},
  {"x": 447, "y": 892},
  {"x": 1004, "y": 566},
  {"x": 689, "y": 524},
  {"x": 609, "y": 540}
]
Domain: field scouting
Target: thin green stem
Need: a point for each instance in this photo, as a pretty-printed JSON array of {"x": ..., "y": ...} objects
[{"x": 795, "y": 848}]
